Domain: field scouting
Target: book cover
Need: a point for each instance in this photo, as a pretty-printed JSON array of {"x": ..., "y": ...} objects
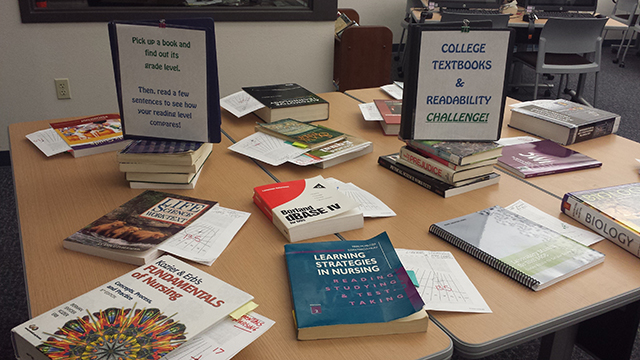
[
  {"x": 391, "y": 111},
  {"x": 182, "y": 153},
  {"x": 613, "y": 212},
  {"x": 526, "y": 251},
  {"x": 133, "y": 230},
  {"x": 563, "y": 121},
  {"x": 200, "y": 159},
  {"x": 432, "y": 184},
  {"x": 92, "y": 134},
  {"x": 307, "y": 208},
  {"x": 459, "y": 152},
  {"x": 346, "y": 283},
  {"x": 288, "y": 101},
  {"x": 543, "y": 157},
  {"x": 451, "y": 165},
  {"x": 143, "y": 314},
  {"x": 335, "y": 153},
  {"x": 309, "y": 135}
]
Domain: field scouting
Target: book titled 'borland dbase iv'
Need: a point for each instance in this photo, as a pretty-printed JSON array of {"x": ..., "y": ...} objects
[
  {"x": 143, "y": 314},
  {"x": 352, "y": 288}
]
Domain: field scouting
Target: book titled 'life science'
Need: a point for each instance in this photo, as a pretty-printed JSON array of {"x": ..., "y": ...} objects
[{"x": 352, "y": 288}]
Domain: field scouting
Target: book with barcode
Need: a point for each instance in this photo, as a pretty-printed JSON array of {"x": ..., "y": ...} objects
[{"x": 524, "y": 250}]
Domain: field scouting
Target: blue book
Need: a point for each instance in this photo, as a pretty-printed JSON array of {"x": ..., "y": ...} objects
[{"x": 352, "y": 288}]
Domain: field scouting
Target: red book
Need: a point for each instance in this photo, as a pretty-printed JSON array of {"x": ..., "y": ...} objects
[{"x": 391, "y": 111}]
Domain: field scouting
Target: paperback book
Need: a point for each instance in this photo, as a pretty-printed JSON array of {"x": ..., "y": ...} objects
[
  {"x": 301, "y": 134},
  {"x": 459, "y": 152},
  {"x": 543, "y": 157},
  {"x": 613, "y": 212},
  {"x": 183, "y": 153},
  {"x": 391, "y": 111},
  {"x": 91, "y": 135},
  {"x": 290, "y": 100},
  {"x": 149, "y": 312},
  {"x": 327, "y": 281},
  {"x": 308, "y": 208},
  {"x": 526, "y": 251},
  {"x": 349, "y": 148}
]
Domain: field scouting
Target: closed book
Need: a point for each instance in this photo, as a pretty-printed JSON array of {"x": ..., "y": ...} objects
[
  {"x": 349, "y": 148},
  {"x": 143, "y": 314},
  {"x": 131, "y": 233},
  {"x": 459, "y": 152},
  {"x": 543, "y": 157},
  {"x": 391, "y": 111},
  {"x": 163, "y": 152},
  {"x": 309, "y": 136},
  {"x": 352, "y": 288},
  {"x": 454, "y": 166},
  {"x": 164, "y": 186},
  {"x": 290, "y": 100},
  {"x": 613, "y": 212},
  {"x": 524, "y": 250},
  {"x": 433, "y": 168},
  {"x": 92, "y": 135},
  {"x": 432, "y": 184},
  {"x": 563, "y": 121},
  {"x": 307, "y": 208},
  {"x": 171, "y": 178},
  {"x": 168, "y": 169}
]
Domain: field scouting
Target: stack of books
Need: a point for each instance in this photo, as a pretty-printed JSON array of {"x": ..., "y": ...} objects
[
  {"x": 446, "y": 167},
  {"x": 163, "y": 164}
]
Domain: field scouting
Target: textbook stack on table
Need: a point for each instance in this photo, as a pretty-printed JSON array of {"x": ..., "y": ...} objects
[
  {"x": 163, "y": 164},
  {"x": 446, "y": 167}
]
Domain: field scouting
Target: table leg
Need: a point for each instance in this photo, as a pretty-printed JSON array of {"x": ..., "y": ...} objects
[{"x": 558, "y": 345}]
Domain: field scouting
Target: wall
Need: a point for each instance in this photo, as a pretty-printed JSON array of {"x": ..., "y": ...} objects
[{"x": 32, "y": 55}]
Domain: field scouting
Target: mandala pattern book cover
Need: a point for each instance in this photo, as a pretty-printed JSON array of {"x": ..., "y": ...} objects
[{"x": 143, "y": 314}]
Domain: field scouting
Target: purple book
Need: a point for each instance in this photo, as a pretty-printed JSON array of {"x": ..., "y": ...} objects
[{"x": 543, "y": 157}]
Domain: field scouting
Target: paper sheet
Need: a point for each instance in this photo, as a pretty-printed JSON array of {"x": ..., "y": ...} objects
[
  {"x": 240, "y": 103},
  {"x": 516, "y": 140},
  {"x": 534, "y": 214},
  {"x": 370, "y": 205},
  {"x": 443, "y": 284},
  {"x": 370, "y": 112},
  {"x": 204, "y": 240},
  {"x": 49, "y": 142},
  {"x": 266, "y": 148},
  {"x": 394, "y": 90},
  {"x": 224, "y": 340}
]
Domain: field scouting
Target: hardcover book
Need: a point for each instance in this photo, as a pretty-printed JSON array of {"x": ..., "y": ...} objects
[
  {"x": 543, "y": 157},
  {"x": 290, "y": 100},
  {"x": 349, "y": 148},
  {"x": 563, "y": 121},
  {"x": 352, "y": 288},
  {"x": 526, "y": 251},
  {"x": 144, "y": 314},
  {"x": 432, "y": 184},
  {"x": 309, "y": 136},
  {"x": 391, "y": 111},
  {"x": 91, "y": 135},
  {"x": 613, "y": 212},
  {"x": 132, "y": 232},
  {"x": 182, "y": 153},
  {"x": 459, "y": 152},
  {"x": 308, "y": 208},
  {"x": 144, "y": 167}
]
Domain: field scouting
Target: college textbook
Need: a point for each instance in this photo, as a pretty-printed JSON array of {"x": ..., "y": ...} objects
[
  {"x": 131, "y": 233},
  {"x": 309, "y": 136},
  {"x": 199, "y": 160},
  {"x": 431, "y": 183},
  {"x": 563, "y": 121},
  {"x": 183, "y": 153},
  {"x": 91, "y": 135},
  {"x": 352, "y": 288},
  {"x": 613, "y": 212},
  {"x": 543, "y": 157},
  {"x": 391, "y": 111},
  {"x": 526, "y": 251},
  {"x": 459, "y": 152},
  {"x": 308, "y": 208},
  {"x": 349, "y": 148},
  {"x": 290, "y": 100},
  {"x": 143, "y": 314}
]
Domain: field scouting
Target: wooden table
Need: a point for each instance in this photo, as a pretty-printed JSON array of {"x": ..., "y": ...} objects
[{"x": 59, "y": 195}]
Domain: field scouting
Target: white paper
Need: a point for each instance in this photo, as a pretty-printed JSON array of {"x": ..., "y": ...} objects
[
  {"x": 266, "y": 148},
  {"x": 534, "y": 214},
  {"x": 240, "y": 103},
  {"x": 49, "y": 142},
  {"x": 444, "y": 286},
  {"x": 394, "y": 90},
  {"x": 370, "y": 205},
  {"x": 370, "y": 112},
  {"x": 204, "y": 240},
  {"x": 224, "y": 340},
  {"x": 516, "y": 140}
]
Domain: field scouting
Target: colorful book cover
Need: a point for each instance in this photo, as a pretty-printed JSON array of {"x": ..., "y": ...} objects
[
  {"x": 283, "y": 95},
  {"x": 89, "y": 131},
  {"x": 161, "y": 147},
  {"x": 349, "y": 282},
  {"x": 543, "y": 157},
  {"x": 143, "y": 314},
  {"x": 309, "y": 135},
  {"x": 459, "y": 152},
  {"x": 391, "y": 110}
]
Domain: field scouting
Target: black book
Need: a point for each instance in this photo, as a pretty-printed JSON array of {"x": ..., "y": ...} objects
[{"x": 288, "y": 101}]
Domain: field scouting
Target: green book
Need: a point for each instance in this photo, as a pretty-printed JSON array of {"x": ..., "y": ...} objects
[{"x": 301, "y": 134}]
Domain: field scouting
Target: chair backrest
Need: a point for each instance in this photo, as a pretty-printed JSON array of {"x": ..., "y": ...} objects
[
  {"x": 623, "y": 11},
  {"x": 572, "y": 35},
  {"x": 498, "y": 20}
]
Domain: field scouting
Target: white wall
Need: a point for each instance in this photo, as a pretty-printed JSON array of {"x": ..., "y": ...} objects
[{"x": 249, "y": 53}]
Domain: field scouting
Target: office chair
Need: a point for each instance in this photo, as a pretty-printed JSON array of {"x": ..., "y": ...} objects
[
  {"x": 498, "y": 20},
  {"x": 623, "y": 11},
  {"x": 566, "y": 46},
  {"x": 634, "y": 30}
]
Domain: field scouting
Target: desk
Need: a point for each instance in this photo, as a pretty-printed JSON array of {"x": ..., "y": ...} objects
[{"x": 59, "y": 195}]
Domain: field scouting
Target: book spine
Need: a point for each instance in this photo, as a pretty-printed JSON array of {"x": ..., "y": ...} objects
[
  {"x": 436, "y": 158},
  {"x": 592, "y": 131},
  {"x": 601, "y": 223},
  {"x": 415, "y": 176},
  {"x": 426, "y": 165},
  {"x": 454, "y": 159},
  {"x": 485, "y": 257},
  {"x": 262, "y": 205}
]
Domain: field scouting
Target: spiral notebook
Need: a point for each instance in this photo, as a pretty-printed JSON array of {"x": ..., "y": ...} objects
[{"x": 526, "y": 251}]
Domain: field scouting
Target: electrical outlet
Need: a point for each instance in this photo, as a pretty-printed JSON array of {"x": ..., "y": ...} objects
[{"x": 62, "y": 88}]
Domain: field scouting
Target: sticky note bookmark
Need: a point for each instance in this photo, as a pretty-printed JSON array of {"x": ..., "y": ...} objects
[
  {"x": 414, "y": 279},
  {"x": 243, "y": 310},
  {"x": 296, "y": 144}
]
